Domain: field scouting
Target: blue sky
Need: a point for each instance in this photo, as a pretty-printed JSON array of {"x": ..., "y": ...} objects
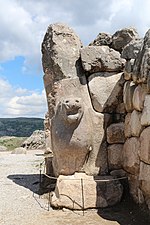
[
  {"x": 23, "y": 24},
  {"x": 19, "y": 76}
]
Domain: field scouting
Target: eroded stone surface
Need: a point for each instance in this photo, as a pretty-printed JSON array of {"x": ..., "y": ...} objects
[
  {"x": 131, "y": 50},
  {"x": 75, "y": 147},
  {"x": 128, "y": 69},
  {"x": 130, "y": 155},
  {"x": 101, "y": 58},
  {"x": 122, "y": 37},
  {"x": 129, "y": 88},
  {"x": 68, "y": 192},
  {"x": 134, "y": 186},
  {"x": 102, "y": 39},
  {"x": 139, "y": 97},
  {"x": 127, "y": 125},
  {"x": 142, "y": 64},
  {"x": 115, "y": 156},
  {"x": 60, "y": 58},
  {"x": 110, "y": 84},
  {"x": 135, "y": 123},
  {"x": 60, "y": 49},
  {"x": 144, "y": 178},
  {"x": 115, "y": 133},
  {"x": 145, "y": 145},
  {"x": 145, "y": 118}
]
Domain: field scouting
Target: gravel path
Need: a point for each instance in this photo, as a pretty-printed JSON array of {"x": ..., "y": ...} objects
[{"x": 20, "y": 203}]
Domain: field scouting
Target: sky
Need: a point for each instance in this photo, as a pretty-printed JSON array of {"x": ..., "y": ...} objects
[{"x": 23, "y": 24}]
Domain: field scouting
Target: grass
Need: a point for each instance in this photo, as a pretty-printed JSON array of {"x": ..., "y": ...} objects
[{"x": 12, "y": 142}]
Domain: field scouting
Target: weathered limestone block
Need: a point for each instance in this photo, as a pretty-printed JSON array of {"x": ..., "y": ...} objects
[
  {"x": 115, "y": 133},
  {"x": 102, "y": 39},
  {"x": 111, "y": 85},
  {"x": 135, "y": 123},
  {"x": 130, "y": 51},
  {"x": 139, "y": 97},
  {"x": 134, "y": 187},
  {"x": 142, "y": 63},
  {"x": 74, "y": 146},
  {"x": 128, "y": 70},
  {"x": 144, "y": 178},
  {"x": 129, "y": 88},
  {"x": 115, "y": 156},
  {"x": 97, "y": 194},
  {"x": 145, "y": 118},
  {"x": 145, "y": 145},
  {"x": 127, "y": 125},
  {"x": 101, "y": 58},
  {"x": 60, "y": 58},
  {"x": 122, "y": 37},
  {"x": 61, "y": 51},
  {"x": 130, "y": 155}
]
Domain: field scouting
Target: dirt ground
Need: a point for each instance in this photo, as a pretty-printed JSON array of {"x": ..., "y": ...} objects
[{"x": 20, "y": 203}]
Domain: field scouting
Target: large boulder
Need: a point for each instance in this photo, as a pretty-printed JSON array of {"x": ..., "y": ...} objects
[
  {"x": 139, "y": 97},
  {"x": 60, "y": 59},
  {"x": 144, "y": 178},
  {"x": 145, "y": 145},
  {"x": 35, "y": 141},
  {"x": 142, "y": 63},
  {"x": 101, "y": 58},
  {"x": 115, "y": 133},
  {"x": 130, "y": 155},
  {"x": 115, "y": 156},
  {"x": 145, "y": 118},
  {"x": 130, "y": 51},
  {"x": 134, "y": 187},
  {"x": 128, "y": 92},
  {"x": 80, "y": 191},
  {"x": 60, "y": 52},
  {"x": 122, "y": 37},
  {"x": 102, "y": 39},
  {"x": 135, "y": 123},
  {"x": 111, "y": 85},
  {"x": 128, "y": 69}
]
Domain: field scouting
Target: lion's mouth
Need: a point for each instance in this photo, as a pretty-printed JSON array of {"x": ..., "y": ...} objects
[{"x": 73, "y": 116}]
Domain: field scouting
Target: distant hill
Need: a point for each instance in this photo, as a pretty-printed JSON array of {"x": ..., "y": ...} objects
[{"x": 20, "y": 127}]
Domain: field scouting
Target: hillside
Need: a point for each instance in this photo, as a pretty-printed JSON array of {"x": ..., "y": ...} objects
[{"x": 20, "y": 127}]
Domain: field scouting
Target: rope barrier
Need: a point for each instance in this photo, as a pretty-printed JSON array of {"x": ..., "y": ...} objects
[
  {"x": 75, "y": 179},
  {"x": 97, "y": 180}
]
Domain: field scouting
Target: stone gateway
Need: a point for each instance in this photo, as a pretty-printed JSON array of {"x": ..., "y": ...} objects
[{"x": 98, "y": 116}]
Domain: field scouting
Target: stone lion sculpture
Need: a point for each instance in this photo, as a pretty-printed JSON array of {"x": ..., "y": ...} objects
[{"x": 71, "y": 136}]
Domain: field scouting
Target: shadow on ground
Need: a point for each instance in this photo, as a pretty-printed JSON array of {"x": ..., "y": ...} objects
[
  {"x": 33, "y": 182},
  {"x": 125, "y": 213}
]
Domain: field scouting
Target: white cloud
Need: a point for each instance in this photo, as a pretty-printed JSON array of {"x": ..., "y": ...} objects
[
  {"x": 23, "y": 23},
  {"x": 21, "y": 102}
]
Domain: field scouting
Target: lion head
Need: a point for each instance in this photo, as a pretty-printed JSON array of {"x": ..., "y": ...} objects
[{"x": 71, "y": 110}]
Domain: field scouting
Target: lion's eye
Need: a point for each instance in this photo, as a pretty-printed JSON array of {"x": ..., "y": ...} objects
[
  {"x": 77, "y": 101},
  {"x": 67, "y": 101}
]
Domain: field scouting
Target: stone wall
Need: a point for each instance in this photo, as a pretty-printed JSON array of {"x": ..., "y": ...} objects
[
  {"x": 99, "y": 104},
  {"x": 136, "y": 150}
]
